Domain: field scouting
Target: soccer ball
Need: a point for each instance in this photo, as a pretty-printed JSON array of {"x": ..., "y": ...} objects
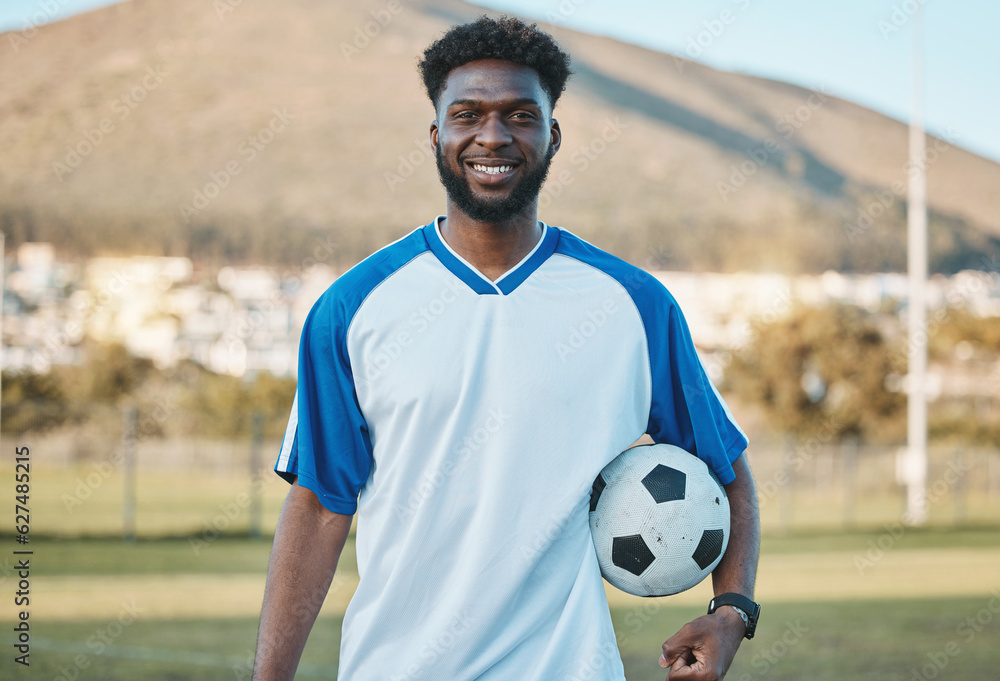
[{"x": 660, "y": 520}]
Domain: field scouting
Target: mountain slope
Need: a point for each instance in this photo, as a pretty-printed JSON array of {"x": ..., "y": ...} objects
[{"x": 246, "y": 131}]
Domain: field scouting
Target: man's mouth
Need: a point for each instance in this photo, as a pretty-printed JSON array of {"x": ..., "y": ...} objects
[{"x": 492, "y": 171}]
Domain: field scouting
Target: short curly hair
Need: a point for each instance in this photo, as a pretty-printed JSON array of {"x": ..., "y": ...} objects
[{"x": 505, "y": 38}]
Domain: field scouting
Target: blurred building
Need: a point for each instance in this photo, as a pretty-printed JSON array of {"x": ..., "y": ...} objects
[
  {"x": 240, "y": 321},
  {"x": 245, "y": 320}
]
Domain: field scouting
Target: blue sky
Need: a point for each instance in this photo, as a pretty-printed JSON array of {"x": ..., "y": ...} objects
[{"x": 856, "y": 49}]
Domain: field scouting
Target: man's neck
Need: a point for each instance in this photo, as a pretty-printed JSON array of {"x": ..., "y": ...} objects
[{"x": 492, "y": 248}]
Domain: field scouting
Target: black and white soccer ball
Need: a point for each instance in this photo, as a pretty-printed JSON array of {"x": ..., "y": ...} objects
[{"x": 660, "y": 520}]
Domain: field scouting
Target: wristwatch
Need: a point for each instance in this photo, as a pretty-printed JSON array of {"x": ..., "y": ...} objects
[{"x": 744, "y": 607}]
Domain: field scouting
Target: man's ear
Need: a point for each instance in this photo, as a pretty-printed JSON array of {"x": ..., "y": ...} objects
[
  {"x": 434, "y": 135},
  {"x": 556, "y": 134}
]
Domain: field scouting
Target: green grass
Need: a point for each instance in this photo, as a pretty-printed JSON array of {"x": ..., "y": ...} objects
[
  {"x": 238, "y": 554},
  {"x": 852, "y": 639},
  {"x": 816, "y": 540},
  {"x": 189, "y": 650},
  {"x": 78, "y": 501},
  {"x": 104, "y": 556},
  {"x": 880, "y": 641},
  {"x": 816, "y": 641},
  {"x": 172, "y": 503}
]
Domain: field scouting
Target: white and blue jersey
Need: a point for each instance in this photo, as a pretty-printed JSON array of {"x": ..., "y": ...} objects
[{"x": 465, "y": 421}]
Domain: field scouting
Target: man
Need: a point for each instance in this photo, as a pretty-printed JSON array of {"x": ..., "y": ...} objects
[{"x": 461, "y": 389}]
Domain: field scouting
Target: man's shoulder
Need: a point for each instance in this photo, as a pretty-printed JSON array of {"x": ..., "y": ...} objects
[
  {"x": 635, "y": 280},
  {"x": 356, "y": 283},
  {"x": 342, "y": 299}
]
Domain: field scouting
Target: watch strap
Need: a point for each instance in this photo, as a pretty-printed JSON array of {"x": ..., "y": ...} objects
[{"x": 743, "y": 606}]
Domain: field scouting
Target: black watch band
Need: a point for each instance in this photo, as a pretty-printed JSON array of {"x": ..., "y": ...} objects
[{"x": 741, "y": 603}]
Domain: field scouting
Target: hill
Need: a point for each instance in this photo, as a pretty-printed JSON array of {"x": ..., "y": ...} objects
[{"x": 244, "y": 132}]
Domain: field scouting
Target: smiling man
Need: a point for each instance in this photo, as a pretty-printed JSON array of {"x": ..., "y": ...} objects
[{"x": 460, "y": 390}]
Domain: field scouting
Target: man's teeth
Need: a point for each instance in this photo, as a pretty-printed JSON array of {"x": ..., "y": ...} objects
[{"x": 492, "y": 170}]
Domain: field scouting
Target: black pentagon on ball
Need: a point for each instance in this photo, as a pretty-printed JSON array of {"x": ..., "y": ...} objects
[
  {"x": 709, "y": 548},
  {"x": 595, "y": 493},
  {"x": 631, "y": 553},
  {"x": 665, "y": 483}
]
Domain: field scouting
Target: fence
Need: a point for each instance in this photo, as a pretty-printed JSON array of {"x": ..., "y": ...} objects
[
  {"x": 846, "y": 485},
  {"x": 115, "y": 474}
]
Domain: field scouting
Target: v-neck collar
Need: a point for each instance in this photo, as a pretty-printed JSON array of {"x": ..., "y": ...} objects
[{"x": 478, "y": 281}]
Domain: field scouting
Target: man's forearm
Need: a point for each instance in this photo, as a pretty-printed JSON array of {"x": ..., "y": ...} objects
[
  {"x": 704, "y": 648},
  {"x": 307, "y": 546},
  {"x": 737, "y": 571}
]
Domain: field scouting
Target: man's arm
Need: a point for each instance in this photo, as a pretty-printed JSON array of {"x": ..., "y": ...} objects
[
  {"x": 703, "y": 649},
  {"x": 307, "y": 546}
]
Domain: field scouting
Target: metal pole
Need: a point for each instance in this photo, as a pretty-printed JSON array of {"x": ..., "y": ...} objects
[{"x": 916, "y": 468}]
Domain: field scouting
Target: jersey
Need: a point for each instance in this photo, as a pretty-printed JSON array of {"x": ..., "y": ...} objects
[{"x": 465, "y": 421}]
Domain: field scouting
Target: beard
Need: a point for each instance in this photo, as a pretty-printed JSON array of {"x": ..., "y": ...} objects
[{"x": 491, "y": 210}]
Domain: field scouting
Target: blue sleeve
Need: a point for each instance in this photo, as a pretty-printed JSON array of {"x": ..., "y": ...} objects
[
  {"x": 326, "y": 444},
  {"x": 686, "y": 410}
]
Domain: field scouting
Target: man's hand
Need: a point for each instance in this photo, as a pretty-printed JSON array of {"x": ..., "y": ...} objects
[{"x": 703, "y": 649}]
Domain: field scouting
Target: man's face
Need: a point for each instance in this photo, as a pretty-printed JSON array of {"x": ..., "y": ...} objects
[{"x": 494, "y": 138}]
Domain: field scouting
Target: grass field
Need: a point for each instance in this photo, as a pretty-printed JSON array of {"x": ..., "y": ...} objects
[
  {"x": 879, "y": 602},
  {"x": 87, "y": 500},
  {"x": 160, "y": 610},
  {"x": 820, "y": 641}
]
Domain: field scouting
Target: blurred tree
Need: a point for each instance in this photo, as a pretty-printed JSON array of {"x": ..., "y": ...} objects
[
  {"x": 982, "y": 334},
  {"x": 33, "y": 402},
  {"x": 223, "y": 406},
  {"x": 822, "y": 368},
  {"x": 970, "y": 345},
  {"x": 110, "y": 375}
]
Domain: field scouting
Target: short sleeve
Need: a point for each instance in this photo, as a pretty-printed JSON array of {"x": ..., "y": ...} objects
[
  {"x": 326, "y": 444},
  {"x": 686, "y": 410}
]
